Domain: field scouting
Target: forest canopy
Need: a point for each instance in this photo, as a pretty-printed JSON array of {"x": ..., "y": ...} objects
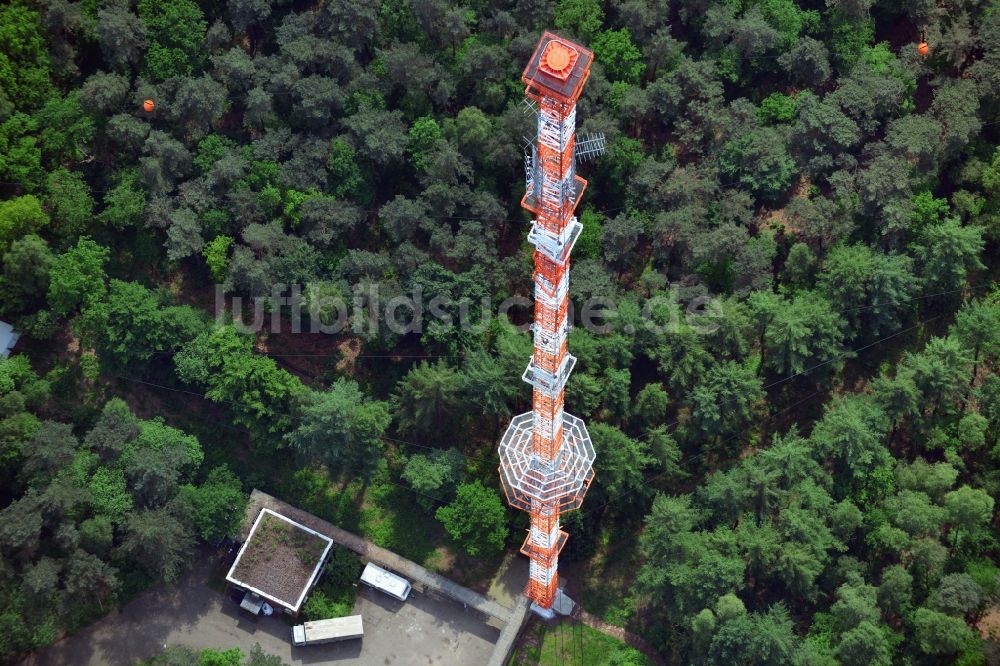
[{"x": 806, "y": 474}]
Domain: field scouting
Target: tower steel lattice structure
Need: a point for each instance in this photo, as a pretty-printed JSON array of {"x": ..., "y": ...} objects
[{"x": 546, "y": 455}]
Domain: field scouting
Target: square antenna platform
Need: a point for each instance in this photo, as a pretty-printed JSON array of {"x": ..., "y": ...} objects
[{"x": 558, "y": 69}]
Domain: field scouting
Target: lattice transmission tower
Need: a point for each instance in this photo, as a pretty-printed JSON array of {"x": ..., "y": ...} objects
[{"x": 546, "y": 456}]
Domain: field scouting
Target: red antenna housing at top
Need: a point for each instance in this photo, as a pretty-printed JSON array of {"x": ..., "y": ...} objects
[{"x": 558, "y": 69}]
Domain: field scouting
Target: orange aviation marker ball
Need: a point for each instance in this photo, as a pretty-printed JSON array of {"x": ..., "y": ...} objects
[
  {"x": 148, "y": 106},
  {"x": 923, "y": 49}
]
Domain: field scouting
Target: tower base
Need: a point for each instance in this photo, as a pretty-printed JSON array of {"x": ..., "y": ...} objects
[
  {"x": 544, "y": 613},
  {"x": 561, "y": 605}
]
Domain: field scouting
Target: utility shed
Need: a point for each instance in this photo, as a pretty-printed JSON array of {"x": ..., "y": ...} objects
[
  {"x": 8, "y": 338},
  {"x": 280, "y": 560}
]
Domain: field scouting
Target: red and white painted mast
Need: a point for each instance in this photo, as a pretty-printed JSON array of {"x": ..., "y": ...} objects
[{"x": 546, "y": 456}]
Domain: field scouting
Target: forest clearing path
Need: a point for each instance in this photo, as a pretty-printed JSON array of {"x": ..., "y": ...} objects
[{"x": 621, "y": 634}]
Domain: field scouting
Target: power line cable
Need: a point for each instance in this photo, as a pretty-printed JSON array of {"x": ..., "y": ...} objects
[
  {"x": 465, "y": 354},
  {"x": 696, "y": 457},
  {"x": 771, "y": 417},
  {"x": 672, "y": 424},
  {"x": 838, "y": 357},
  {"x": 294, "y": 417},
  {"x": 270, "y": 354},
  {"x": 244, "y": 429},
  {"x": 620, "y": 495}
]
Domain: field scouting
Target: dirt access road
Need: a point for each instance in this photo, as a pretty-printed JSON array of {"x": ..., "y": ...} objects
[{"x": 424, "y": 630}]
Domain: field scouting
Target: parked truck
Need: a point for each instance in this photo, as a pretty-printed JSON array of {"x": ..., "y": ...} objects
[{"x": 335, "y": 629}]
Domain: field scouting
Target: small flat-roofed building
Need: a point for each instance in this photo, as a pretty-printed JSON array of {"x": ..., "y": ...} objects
[
  {"x": 8, "y": 338},
  {"x": 279, "y": 562}
]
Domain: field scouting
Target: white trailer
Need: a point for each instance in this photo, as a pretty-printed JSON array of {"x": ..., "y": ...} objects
[
  {"x": 390, "y": 583},
  {"x": 328, "y": 631}
]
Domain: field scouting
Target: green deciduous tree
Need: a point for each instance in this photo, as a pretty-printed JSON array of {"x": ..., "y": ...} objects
[
  {"x": 25, "y": 63},
  {"x": 20, "y": 154},
  {"x": 176, "y": 33},
  {"x": 476, "y": 520},
  {"x": 428, "y": 399},
  {"x": 158, "y": 542},
  {"x": 77, "y": 277},
  {"x": 621, "y": 58},
  {"x": 66, "y": 130},
  {"x": 947, "y": 251},
  {"x": 851, "y": 433},
  {"x": 582, "y": 18},
  {"x": 156, "y": 435},
  {"x": 776, "y": 108},
  {"x": 110, "y": 495},
  {"x": 263, "y": 396},
  {"x": 18, "y": 217},
  {"x": 125, "y": 203},
  {"x": 423, "y": 137},
  {"x": 344, "y": 173},
  {"x": 435, "y": 475},
  {"x": 342, "y": 428},
  {"x": 70, "y": 202},
  {"x": 126, "y": 327},
  {"x": 26, "y": 266},
  {"x": 217, "y": 506},
  {"x": 212, "y": 657},
  {"x": 759, "y": 160},
  {"x": 801, "y": 334},
  {"x": 724, "y": 398},
  {"x": 216, "y": 253},
  {"x": 940, "y": 634}
]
